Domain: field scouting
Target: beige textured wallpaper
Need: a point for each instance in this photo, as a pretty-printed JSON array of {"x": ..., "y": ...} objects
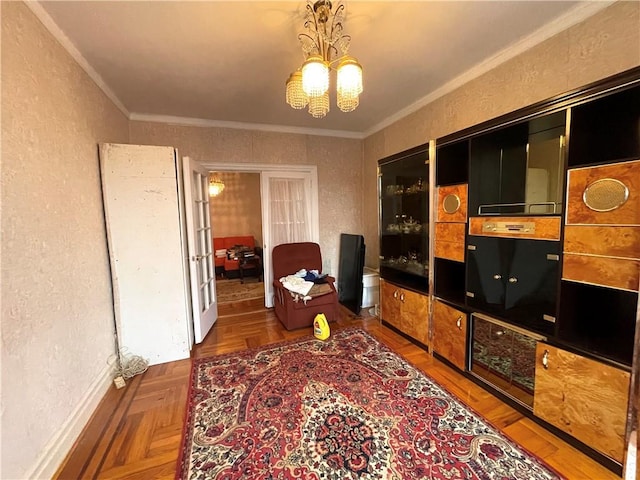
[
  {"x": 339, "y": 163},
  {"x": 238, "y": 209},
  {"x": 57, "y": 316},
  {"x": 602, "y": 45},
  {"x": 57, "y": 329}
]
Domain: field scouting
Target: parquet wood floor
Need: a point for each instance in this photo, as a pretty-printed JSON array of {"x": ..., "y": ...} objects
[{"x": 135, "y": 433}]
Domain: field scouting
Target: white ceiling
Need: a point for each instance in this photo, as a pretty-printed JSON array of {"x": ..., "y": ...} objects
[{"x": 219, "y": 63}]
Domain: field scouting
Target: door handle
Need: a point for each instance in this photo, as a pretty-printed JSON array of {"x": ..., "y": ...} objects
[
  {"x": 513, "y": 280},
  {"x": 197, "y": 258},
  {"x": 545, "y": 359}
]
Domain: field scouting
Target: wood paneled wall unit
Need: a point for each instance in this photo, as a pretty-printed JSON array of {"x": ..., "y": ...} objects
[
  {"x": 451, "y": 222},
  {"x": 564, "y": 176},
  {"x": 602, "y": 235}
]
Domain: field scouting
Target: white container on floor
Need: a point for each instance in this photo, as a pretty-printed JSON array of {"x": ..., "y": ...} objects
[{"x": 370, "y": 287}]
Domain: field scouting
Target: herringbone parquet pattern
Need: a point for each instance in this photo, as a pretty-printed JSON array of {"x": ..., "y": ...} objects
[{"x": 136, "y": 432}]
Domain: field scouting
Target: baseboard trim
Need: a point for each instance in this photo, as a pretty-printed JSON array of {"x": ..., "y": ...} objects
[{"x": 60, "y": 444}]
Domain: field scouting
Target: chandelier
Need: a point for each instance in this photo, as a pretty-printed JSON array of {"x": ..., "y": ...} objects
[
  {"x": 325, "y": 47},
  {"x": 215, "y": 186}
]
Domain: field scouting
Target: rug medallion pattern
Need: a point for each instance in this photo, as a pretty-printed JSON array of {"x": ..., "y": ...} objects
[{"x": 345, "y": 408}]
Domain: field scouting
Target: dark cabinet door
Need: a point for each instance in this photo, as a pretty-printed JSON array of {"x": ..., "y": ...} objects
[{"x": 514, "y": 279}]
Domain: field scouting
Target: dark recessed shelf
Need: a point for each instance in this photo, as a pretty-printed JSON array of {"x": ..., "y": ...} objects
[
  {"x": 452, "y": 163},
  {"x": 598, "y": 319},
  {"x": 606, "y": 129}
]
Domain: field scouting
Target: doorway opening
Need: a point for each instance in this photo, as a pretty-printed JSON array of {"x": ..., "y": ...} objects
[{"x": 268, "y": 201}]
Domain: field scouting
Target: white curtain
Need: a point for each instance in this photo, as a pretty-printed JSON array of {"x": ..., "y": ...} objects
[{"x": 289, "y": 211}]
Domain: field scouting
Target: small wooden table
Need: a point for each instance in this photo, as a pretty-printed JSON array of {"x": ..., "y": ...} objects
[{"x": 250, "y": 263}]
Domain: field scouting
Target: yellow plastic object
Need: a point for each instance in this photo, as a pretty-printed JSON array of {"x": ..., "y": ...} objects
[{"x": 321, "y": 327}]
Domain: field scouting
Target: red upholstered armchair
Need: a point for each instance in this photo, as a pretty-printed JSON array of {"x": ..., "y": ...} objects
[{"x": 288, "y": 259}]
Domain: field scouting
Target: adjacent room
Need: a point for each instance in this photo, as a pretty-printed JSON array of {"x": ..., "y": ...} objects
[{"x": 350, "y": 239}]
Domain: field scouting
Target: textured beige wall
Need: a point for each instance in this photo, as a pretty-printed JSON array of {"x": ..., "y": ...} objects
[
  {"x": 339, "y": 163},
  {"x": 602, "y": 45},
  {"x": 238, "y": 209},
  {"x": 57, "y": 317}
]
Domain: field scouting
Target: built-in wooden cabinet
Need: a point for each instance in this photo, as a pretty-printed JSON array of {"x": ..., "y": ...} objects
[
  {"x": 551, "y": 256},
  {"x": 535, "y": 259},
  {"x": 405, "y": 310},
  {"x": 582, "y": 397},
  {"x": 450, "y": 333}
]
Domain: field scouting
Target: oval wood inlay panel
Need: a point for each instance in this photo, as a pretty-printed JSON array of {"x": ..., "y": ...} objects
[
  {"x": 460, "y": 215},
  {"x": 628, "y": 173}
]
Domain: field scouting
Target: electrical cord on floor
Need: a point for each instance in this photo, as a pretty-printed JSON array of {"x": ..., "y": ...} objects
[{"x": 125, "y": 366}]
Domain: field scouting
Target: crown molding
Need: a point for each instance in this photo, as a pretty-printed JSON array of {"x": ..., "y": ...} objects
[
  {"x": 570, "y": 18},
  {"x": 263, "y": 127},
  {"x": 67, "y": 44}
]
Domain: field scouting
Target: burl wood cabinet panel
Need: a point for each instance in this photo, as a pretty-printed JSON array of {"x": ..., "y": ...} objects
[
  {"x": 608, "y": 272},
  {"x": 450, "y": 333},
  {"x": 607, "y": 241},
  {"x": 415, "y": 315},
  {"x": 627, "y": 214},
  {"x": 459, "y": 215},
  {"x": 449, "y": 241},
  {"x": 406, "y": 310},
  {"x": 582, "y": 397},
  {"x": 390, "y": 303},
  {"x": 546, "y": 228}
]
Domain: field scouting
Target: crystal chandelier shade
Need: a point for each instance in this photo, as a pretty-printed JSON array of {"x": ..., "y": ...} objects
[
  {"x": 325, "y": 45},
  {"x": 319, "y": 106},
  {"x": 315, "y": 76},
  {"x": 295, "y": 95},
  {"x": 216, "y": 186}
]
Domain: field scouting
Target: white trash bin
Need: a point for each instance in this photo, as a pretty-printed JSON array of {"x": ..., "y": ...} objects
[{"x": 370, "y": 287}]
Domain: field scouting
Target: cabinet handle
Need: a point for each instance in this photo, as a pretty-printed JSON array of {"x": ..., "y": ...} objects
[
  {"x": 459, "y": 322},
  {"x": 545, "y": 359},
  {"x": 402, "y": 297},
  {"x": 499, "y": 333},
  {"x": 395, "y": 294},
  {"x": 497, "y": 276},
  {"x": 197, "y": 258},
  {"x": 513, "y": 280}
]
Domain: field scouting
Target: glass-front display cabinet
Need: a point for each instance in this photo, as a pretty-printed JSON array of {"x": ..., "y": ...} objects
[{"x": 404, "y": 218}]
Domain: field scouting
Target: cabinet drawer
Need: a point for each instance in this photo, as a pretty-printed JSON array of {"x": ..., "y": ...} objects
[
  {"x": 449, "y": 241},
  {"x": 415, "y": 315},
  {"x": 390, "y": 303},
  {"x": 612, "y": 191},
  {"x": 450, "y": 333},
  {"x": 582, "y": 397},
  {"x": 607, "y": 272},
  {"x": 606, "y": 241},
  {"x": 538, "y": 228},
  {"x": 452, "y": 203}
]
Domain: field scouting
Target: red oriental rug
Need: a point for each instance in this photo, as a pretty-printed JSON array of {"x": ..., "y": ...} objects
[{"x": 345, "y": 408}]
